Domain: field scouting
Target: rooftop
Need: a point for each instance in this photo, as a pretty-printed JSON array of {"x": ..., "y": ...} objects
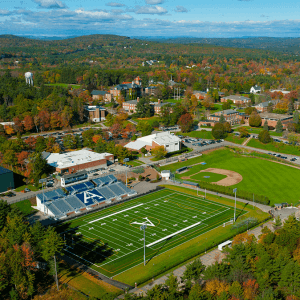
[
  {"x": 272, "y": 116},
  {"x": 74, "y": 158},
  {"x": 96, "y": 92},
  {"x": 4, "y": 171}
]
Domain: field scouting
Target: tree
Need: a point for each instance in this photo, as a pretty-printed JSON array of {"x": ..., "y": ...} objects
[
  {"x": 226, "y": 105},
  {"x": 266, "y": 127},
  {"x": 290, "y": 108},
  {"x": 296, "y": 117},
  {"x": 270, "y": 107},
  {"x": 222, "y": 119},
  {"x": 115, "y": 130},
  {"x": 21, "y": 158},
  {"x": 38, "y": 165},
  {"x": 159, "y": 152},
  {"x": 28, "y": 123},
  {"x": 264, "y": 137},
  {"x": 243, "y": 132},
  {"x": 279, "y": 127},
  {"x": 293, "y": 138},
  {"x": 144, "y": 127},
  {"x": 227, "y": 127},
  {"x": 219, "y": 131},
  {"x": 69, "y": 141},
  {"x": 193, "y": 270},
  {"x": 186, "y": 122},
  {"x": 18, "y": 124},
  {"x": 144, "y": 109},
  {"x": 254, "y": 119}
]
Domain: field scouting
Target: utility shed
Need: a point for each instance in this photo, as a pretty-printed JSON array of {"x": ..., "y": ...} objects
[{"x": 6, "y": 180}]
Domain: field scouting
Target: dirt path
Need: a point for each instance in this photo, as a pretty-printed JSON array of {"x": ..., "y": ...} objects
[{"x": 231, "y": 179}]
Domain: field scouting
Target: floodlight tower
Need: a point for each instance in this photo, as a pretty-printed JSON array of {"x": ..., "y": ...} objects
[{"x": 143, "y": 227}]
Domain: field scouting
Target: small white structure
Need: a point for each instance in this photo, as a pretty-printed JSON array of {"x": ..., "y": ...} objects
[
  {"x": 227, "y": 243},
  {"x": 255, "y": 89},
  {"x": 165, "y": 174},
  {"x": 29, "y": 78}
]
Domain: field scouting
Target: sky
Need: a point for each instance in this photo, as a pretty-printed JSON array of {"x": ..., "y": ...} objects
[{"x": 151, "y": 18}]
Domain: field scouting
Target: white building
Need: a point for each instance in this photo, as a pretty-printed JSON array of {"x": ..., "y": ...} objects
[
  {"x": 255, "y": 89},
  {"x": 165, "y": 174},
  {"x": 170, "y": 142}
]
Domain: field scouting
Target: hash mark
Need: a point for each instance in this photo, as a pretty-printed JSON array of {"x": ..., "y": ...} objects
[
  {"x": 153, "y": 234},
  {"x": 156, "y": 204},
  {"x": 115, "y": 220},
  {"x": 130, "y": 244},
  {"x": 103, "y": 224},
  {"x": 136, "y": 212},
  {"x": 175, "y": 225},
  {"x": 126, "y": 216},
  {"x": 91, "y": 228},
  {"x": 194, "y": 217},
  {"x": 184, "y": 221},
  {"x": 204, "y": 213},
  {"x": 165, "y": 229}
]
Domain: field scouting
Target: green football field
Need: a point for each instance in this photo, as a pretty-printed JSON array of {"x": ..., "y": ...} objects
[{"x": 111, "y": 241}]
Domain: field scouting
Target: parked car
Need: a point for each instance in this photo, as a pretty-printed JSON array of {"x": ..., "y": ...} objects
[{"x": 27, "y": 190}]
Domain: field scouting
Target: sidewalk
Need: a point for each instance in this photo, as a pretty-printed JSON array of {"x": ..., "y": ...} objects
[{"x": 207, "y": 259}]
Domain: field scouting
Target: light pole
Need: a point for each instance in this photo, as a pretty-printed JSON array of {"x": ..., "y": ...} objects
[
  {"x": 234, "y": 190},
  {"x": 205, "y": 194},
  {"x": 42, "y": 182},
  {"x": 143, "y": 227},
  {"x": 126, "y": 160}
]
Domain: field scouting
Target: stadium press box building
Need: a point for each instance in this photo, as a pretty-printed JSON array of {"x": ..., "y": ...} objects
[{"x": 6, "y": 180}]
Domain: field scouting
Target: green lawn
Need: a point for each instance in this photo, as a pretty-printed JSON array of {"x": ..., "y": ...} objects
[
  {"x": 31, "y": 187},
  {"x": 111, "y": 242},
  {"x": 25, "y": 207},
  {"x": 276, "y": 147},
  {"x": 65, "y": 85},
  {"x": 135, "y": 163},
  {"x": 258, "y": 130},
  {"x": 213, "y": 177},
  {"x": 274, "y": 180},
  {"x": 148, "y": 120},
  {"x": 202, "y": 134},
  {"x": 235, "y": 139}
]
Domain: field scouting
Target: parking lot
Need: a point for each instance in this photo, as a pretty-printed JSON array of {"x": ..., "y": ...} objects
[{"x": 201, "y": 144}]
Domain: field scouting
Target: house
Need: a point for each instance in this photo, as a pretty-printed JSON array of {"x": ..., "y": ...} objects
[
  {"x": 263, "y": 107},
  {"x": 75, "y": 161},
  {"x": 255, "y": 89},
  {"x": 151, "y": 90},
  {"x": 96, "y": 113},
  {"x": 237, "y": 99},
  {"x": 159, "y": 104},
  {"x": 170, "y": 142},
  {"x": 104, "y": 95}
]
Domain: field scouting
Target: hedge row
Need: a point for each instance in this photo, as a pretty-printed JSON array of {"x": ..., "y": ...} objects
[{"x": 229, "y": 191}]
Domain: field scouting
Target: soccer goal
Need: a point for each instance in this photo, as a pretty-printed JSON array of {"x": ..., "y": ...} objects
[{"x": 228, "y": 222}]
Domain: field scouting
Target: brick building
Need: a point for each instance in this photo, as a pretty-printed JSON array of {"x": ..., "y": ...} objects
[
  {"x": 230, "y": 115},
  {"x": 75, "y": 161},
  {"x": 104, "y": 95},
  {"x": 241, "y": 100},
  {"x": 96, "y": 113},
  {"x": 274, "y": 118},
  {"x": 263, "y": 107}
]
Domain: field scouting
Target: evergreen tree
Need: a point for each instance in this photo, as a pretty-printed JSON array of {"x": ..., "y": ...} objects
[
  {"x": 266, "y": 127},
  {"x": 296, "y": 117},
  {"x": 279, "y": 127},
  {"x": 290, "y": 108},
  {"x": 222, "y": 119},
  {"x": 144, "y": 109},
  {"x": 219, "y": 131},
  {"x": 264, "y": 137}
]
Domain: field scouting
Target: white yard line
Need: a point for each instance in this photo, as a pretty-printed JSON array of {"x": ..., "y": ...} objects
[
  {"x": 116, "y": 213},
  {"x": 175, "y": 233}
]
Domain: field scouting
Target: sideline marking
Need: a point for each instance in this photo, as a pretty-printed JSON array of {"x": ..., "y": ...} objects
[{"x": 175, "y": 233}]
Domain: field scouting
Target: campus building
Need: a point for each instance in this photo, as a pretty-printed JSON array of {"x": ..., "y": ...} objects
[
  {"x": 75, "y": 161},
  {"x": 170, "y": 142},
  {"x": 96, "y": 113},
  {"x": 6, "y": 180}
]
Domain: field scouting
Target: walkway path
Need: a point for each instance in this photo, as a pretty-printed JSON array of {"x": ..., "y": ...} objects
[
  {"x": 207, "y": 259},
  {"x": 247, "y": 141}
]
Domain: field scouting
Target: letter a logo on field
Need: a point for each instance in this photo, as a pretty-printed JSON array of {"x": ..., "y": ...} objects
[{"x": 147, "y": 222}]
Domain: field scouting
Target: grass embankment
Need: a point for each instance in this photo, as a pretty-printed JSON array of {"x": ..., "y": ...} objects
[
  {"x": 167, "y": 261},
  {"x": 86, "y": 283},
  {"x": 135, "y": 163},
  {"x": 202, "y": 134},
  {"x": 261, "y": 177},
  {"x": 22, "y": 188},
  {"x": 275, "y": 147},
  {"x": 257, "y": 130},
  {"x": 235, "y": 139},
  {"x": 25, "y": 206}
]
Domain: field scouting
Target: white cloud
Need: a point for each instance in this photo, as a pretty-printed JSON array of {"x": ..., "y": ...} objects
[
  {"x": 151, "y": 10},
  {"x": 180, "y": 8},
  {"x": 114, "y": 4},
  {"x": 50, "y": 4},
  {"x": 4, "y": 12},
  {"x": 154, "y": 2}
]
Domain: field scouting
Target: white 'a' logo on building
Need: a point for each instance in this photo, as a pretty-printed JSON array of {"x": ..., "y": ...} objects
[{"x": 89, "y": 195}]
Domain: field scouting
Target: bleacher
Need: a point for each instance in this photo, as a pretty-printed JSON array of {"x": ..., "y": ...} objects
[
  {"x": 67, "y": 179},
  {"x": 106, "y": 180},
  {"x": 90, "y": 197},
  {"x": 80, "y": 187},
  {"x": 106, "y": 192},
  {"x": 52, "y": 195},
  {"x": 118, "y": 191},
  {"x": 74, "y": 202},
  {"x": 84, "y": 195}
]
